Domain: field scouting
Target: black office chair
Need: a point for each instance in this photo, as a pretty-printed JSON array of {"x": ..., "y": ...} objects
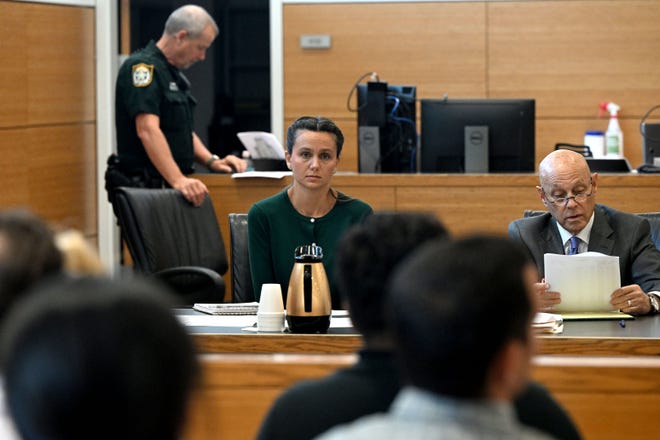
[
  {"x": 175, "y": 241},
  {"x": 242, "y": 290},
  {"x": 654, "y": 220}
]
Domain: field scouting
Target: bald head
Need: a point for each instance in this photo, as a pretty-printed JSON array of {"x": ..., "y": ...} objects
[
  {"x": 560, "y": 162},
  {"x": 563, "y": 174}
]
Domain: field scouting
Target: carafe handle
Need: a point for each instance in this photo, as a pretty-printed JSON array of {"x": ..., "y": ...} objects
[{"x": 307, "y": 287}]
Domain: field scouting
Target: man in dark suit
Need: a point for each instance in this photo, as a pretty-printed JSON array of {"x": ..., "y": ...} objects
[{"x": 574, "y": 223}]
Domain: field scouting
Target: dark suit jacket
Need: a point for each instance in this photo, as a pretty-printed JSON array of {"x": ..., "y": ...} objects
[{"x": 613, "y": 233}]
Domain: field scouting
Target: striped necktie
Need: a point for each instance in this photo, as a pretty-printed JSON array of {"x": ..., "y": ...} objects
[{"x": 575, "y": 242}]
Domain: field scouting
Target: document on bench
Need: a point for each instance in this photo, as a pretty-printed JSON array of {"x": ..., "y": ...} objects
[
  {"x": 261, "y": 174},
  {"x": 548, "y": 323},
  {"x": 586, "y": 281},
  {"x": 261, "y": 145}
]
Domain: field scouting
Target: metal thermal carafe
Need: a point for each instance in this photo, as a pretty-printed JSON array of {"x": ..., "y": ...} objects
[{"x": 308, "y": 303}]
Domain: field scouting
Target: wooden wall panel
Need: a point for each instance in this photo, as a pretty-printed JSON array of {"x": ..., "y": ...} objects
[
  {"x": 62, "y": 174},
  {"x": 607, "y": 397},
  {"x": 47, "y": 120},
  {"x": 52, "y": 171},
  {"x": 13, "y": 69},
  {"x": 569, "y": 56},
  {"x": 61, "y": 79},
  {"x": 411, "y": 43},
  {"x": 14, "y": 180}
]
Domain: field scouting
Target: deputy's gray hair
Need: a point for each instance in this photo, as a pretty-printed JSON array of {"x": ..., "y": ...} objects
[{"x": 191, "y": 18}]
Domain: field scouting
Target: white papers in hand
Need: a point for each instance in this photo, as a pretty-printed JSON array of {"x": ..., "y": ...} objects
[
  {"x": 262, "y": 145},
  {"x": 585, "y": 281}
]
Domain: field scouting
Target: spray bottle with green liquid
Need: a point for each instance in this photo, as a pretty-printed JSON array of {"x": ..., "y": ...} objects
[{"x": 613, "y": 135}]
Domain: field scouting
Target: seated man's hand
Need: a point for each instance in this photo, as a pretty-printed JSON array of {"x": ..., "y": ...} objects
[
  {"x": 547, "y": 299},
  {"x": 193, "y": 190},
  {"x": 631, "y": 299}
]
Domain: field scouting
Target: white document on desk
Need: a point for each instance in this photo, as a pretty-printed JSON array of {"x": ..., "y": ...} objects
[
  {"x": 261, "y": 145},
  {"x": 261, "y": 174},
  {"x": 586, "y": 281}
]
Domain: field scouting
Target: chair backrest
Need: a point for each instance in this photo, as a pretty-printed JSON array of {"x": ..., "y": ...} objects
[
  {"x": 162, "y": 231},
  {"x": 242, "y": 290},
  {"x": 654, "y": 220},
  {"x": 532, "y": 212}
]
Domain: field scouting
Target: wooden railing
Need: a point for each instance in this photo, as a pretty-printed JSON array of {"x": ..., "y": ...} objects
[{"x": 608, "y": 397}]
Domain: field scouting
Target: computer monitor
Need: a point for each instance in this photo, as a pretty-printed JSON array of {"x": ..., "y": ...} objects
[
  {"x": 387, "y": 132},
  {"x": 651, "y": 143},
  {"x": 477, "y": 135}
]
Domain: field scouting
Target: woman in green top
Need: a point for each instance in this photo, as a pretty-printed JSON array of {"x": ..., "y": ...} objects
[{"x": 309, "y": 211}]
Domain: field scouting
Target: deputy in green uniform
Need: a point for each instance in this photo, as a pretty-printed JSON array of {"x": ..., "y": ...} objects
[{"x": 156, "y": 141}]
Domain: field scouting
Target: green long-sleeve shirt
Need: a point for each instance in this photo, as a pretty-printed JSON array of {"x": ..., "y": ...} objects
[{"x": 275, "y": 229}]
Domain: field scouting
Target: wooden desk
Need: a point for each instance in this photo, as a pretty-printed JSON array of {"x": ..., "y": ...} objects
[
  {"x": 608, "y": 397},
  {"x": 459, "y": 200},
  {"x": 641, "y": 336}
]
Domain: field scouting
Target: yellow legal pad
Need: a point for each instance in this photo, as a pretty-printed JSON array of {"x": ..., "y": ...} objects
[{"x": 576, "y": 316}]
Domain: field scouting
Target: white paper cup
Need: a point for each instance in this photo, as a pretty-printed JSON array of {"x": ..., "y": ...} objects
[
  {"x": 271, "y": 299},
  {"x": 270, "y": 314},
  {"x": 270, "y": 322}
]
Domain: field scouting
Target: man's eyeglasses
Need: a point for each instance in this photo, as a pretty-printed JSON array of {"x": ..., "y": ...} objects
[{"x": 563, "y": 201}]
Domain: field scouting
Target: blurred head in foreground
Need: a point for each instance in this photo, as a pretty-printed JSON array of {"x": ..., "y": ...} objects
[
  {"x": 95, "y": 358},
  {"x": 28, "y": 255},
  {"x": 462, "y": 313}
]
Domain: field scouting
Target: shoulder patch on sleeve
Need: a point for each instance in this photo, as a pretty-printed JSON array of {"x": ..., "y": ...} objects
[{"x": 143, "y": 74}]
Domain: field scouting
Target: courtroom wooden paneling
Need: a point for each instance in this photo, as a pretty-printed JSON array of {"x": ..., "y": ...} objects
[
  {"x": 48, "y": 116},
  {"x": 608, "y": 398},
  {"x": 569, "y": 56},
  {"x": 64, "y": 189},
  {"x": 345, "y": 344},
  {"x": 277, "y": 343},
  {"x": 14, "y": 67},
  {"x": 238, "y": 389},
  {"x": 61, "y": 82},
  {"x": 410, "y": 43},
  {"x": 573, "y": 55}
]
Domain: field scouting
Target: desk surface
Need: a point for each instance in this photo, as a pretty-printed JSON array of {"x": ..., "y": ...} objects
[{"x": 640, "y": 336}]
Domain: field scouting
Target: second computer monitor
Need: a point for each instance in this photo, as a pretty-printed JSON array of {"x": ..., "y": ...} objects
[{"x": 477, "y": 135}]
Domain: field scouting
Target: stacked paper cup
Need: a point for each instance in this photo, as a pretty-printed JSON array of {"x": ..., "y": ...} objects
[{"x": 270, "y": 314}]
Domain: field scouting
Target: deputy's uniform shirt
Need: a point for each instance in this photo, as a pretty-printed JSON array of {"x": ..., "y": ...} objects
[{"x": 147, "y": 83}]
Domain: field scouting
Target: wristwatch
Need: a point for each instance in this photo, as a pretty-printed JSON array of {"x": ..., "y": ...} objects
[
  {"x": 212, "y": 159},
  {"x": 655, "y": 306}
]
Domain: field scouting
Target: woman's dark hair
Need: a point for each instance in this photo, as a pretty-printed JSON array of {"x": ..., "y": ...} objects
[{"x": 313, "y": 123}]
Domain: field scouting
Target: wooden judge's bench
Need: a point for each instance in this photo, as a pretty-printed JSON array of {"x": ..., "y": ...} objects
[{"x": 466, "y": 203}]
